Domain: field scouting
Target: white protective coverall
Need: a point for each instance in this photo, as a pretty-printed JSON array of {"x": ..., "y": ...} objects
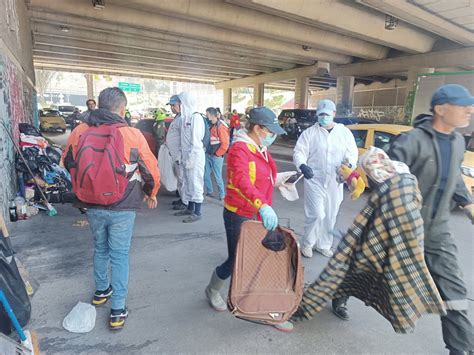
[
  {"x": 192, "y": 149},
  {"x": 173, "y": 142},
  {"x": 323, "y": 152}
]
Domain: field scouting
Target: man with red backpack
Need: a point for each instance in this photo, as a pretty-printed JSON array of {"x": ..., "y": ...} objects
[{"x": 108, "y": 161}]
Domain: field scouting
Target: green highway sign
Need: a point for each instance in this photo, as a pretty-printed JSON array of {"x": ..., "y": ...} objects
[{"x": 129, "y": 87}]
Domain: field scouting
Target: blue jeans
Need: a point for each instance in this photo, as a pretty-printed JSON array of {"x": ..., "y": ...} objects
[
  {"x": 214, "y": 164},
  {"x": 112, "y": 231}
]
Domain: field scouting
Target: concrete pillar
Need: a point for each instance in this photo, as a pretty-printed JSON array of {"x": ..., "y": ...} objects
[
  {"x": 412, "y": 81},
  {"x": 412, "y": 78},
  {"x": 344, "y": 95},
  {"x": 301, "y": 92},
  {"x": 90, "y": 85},
  {"x": 258, "y": 93},
  {"x": 227, "y": 99}
]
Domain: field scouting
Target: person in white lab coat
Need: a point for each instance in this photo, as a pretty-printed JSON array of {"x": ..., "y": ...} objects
[
  {"x": 192, "y": 157},
  {"x": 173, "y": 142},
  {"x": 319, "y": 151}
]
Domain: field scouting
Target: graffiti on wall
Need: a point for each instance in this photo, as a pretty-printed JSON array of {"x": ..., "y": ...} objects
[
  {"x": 382, "y": 114},
  {"x": 16, "y": 106}
]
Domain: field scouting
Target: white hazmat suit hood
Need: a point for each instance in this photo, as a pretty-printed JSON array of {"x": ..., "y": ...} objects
[
  {"x": 323, "y": 151},
  {"x": 192, "y": 148}
]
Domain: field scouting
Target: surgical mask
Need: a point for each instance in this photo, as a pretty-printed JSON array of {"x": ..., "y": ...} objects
[
  {"x": 268, "y": 140},
  {"x": 325, "y": 120}
]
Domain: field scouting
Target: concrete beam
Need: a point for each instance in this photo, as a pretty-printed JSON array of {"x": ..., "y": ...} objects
[
  {"x": 452, "y": 58},
  {"x": 90, "y": 85},
  {"x": 301, "y": 92},
  {"x": 259, "y": 94},
  {"x": 184, "y": 27},
  {"x": 49, "y": 24},
  {"x": 344, "y": 95},
  {"x": 46, "y": 50},
  {"x": 227, "y": 100},
  {"x": 350, "y": 19},
  {"x": 254, "y": 22},
  {"x": 83, "y": 70},
  {"x": 100, "y": 62},
  {"x": 67, "y": 62},
  {"x": 417, "y": 16},
  {"x": 265, "y": 78},
  {"x": 112, "y": 47}
]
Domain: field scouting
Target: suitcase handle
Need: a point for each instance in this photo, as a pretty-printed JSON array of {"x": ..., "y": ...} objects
[{"x": 288, "y": 222}]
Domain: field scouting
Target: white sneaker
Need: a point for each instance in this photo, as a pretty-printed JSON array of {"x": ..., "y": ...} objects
[
  {"x": 307, "y": 252},
  {"x": 326, "y": 252}
]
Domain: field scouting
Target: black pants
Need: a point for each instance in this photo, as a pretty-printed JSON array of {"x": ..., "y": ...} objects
[
  {"x": 232, "y": 223},
  {"x": 441, "y": 259}
]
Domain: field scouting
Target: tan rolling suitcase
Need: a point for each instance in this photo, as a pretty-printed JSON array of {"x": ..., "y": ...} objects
[{"x": 268, "y": 276}]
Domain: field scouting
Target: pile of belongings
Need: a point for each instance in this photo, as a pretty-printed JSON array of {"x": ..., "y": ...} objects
[
  {"x": 12, "y": 285},
  {"x": 43, "y": 159}
]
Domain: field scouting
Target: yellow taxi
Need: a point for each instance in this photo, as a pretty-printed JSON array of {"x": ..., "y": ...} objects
[
  {"x": 382, "y": 136},
  {"x": 51, "y": 120}
]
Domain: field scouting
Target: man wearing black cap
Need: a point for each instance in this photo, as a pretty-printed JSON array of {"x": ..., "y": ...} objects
[{"x": 434, "y": 152}]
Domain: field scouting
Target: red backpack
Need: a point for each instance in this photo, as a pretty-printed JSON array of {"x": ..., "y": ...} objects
[{"x": 98, "y": 173}]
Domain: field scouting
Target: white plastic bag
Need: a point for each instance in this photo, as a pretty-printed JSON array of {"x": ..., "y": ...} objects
[
  {"x": 165, "y": 163},
  {"x": 289, "y": 192},
  {"x": 81, "y": 319}
]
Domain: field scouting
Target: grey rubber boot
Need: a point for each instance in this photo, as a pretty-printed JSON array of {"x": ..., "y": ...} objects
[{"x": 213, "y": 294}]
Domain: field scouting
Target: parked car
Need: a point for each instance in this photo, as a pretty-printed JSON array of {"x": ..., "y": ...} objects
[
  {"x": 383, "y": 135},
  {"x": 295, "y": 121},
  {"x": 51, "y": 120},
  {"x": 65, "y": 111}
]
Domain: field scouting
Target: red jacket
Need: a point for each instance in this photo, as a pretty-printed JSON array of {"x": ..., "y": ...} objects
[
  {"x": 250, "y": 179},
  {"x": 235, "y": 121}
]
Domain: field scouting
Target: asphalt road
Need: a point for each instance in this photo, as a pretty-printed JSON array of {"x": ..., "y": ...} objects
[{"x": 171, "y": 263}]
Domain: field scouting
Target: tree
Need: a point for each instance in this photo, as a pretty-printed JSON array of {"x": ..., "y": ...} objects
[
  {"x": 43, "y": 79},
  {"x": 274, "y": 102}
]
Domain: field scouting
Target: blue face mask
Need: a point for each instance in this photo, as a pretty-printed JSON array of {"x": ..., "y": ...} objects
[
  {"x": 268, "y": 140},
  {"x": 325, "y": 121}
]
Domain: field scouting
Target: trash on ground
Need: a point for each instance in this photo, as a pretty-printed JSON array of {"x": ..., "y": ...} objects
[{"x": 81, "y": 319}]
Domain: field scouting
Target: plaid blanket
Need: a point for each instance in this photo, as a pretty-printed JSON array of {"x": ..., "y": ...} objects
[{"x": 380, "y": 260}]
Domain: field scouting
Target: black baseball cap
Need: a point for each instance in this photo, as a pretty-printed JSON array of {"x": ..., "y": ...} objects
[
  {"x": 453, "y": 94},
  {"x": 265, "y": 117}
]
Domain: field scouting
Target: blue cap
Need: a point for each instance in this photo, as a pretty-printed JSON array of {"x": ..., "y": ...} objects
[
  {"x": 326, "y": 106},
  {"x": 265, "y": 117},
  {"x": 174, "y": 100},
  {"x": 453, "y": 94}
]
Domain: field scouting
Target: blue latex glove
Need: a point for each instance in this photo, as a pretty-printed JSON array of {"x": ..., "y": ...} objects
[{"x": 269, "y": 218}]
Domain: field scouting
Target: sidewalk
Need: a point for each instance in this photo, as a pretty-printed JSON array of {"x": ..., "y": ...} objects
[{"x": 171, "y": 263}]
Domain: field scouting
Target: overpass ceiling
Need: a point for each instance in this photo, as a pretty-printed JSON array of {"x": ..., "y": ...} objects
[{"x": 218, "y": 40}]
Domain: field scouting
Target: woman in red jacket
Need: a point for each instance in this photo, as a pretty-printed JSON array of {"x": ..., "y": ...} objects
[
  {"x": 251, "y": 174},
  {"x": 234, "y": 124}
]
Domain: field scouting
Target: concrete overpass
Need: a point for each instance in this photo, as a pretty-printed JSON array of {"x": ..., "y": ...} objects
[{"x": 298, "y": 44}]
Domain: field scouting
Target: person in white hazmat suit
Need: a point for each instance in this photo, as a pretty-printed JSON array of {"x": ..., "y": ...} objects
[
  {"x": 192, "y": 157},
  {"x": 319, "y": 151},
  {"x": 173, "y": 142}
]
